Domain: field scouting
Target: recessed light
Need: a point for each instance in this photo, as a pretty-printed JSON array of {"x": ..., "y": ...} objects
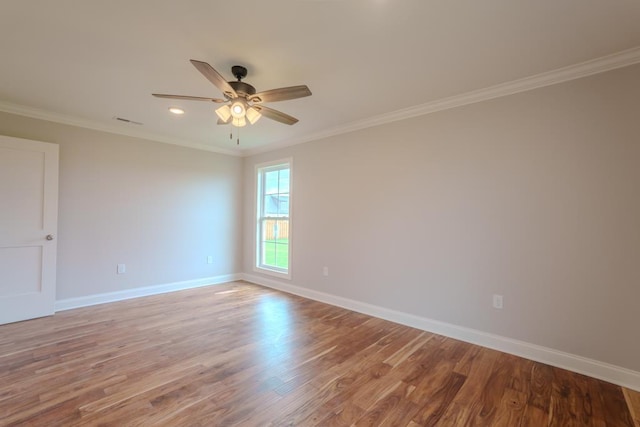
[{"x": 176, "y": 110}]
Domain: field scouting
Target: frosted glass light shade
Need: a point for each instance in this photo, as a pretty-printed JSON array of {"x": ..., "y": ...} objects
[
  {"x": 239, "y": 122},
  {"x": 253, "y": 115},
  {"x": 224, "y": 113}
]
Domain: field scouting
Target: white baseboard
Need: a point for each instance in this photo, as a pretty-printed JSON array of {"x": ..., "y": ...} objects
[
  {"x": 593, "y": 368},
  {"x": 70, "y": 303}
]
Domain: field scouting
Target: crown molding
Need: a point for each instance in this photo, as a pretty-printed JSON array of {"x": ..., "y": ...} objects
[
  {"x": 36, "y": 113},
  {"x": 560, "y": 75}
]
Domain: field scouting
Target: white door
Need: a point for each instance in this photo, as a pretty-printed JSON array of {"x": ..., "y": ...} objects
[{"x": 28, "y": 225}]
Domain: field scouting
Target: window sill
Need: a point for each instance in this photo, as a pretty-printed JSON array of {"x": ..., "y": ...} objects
[{"x": 273, "y": 273}]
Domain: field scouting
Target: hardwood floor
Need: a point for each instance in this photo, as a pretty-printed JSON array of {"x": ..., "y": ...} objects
[
  {"x": 242, "y": 355},
  {"x": 633, "y": 400}
]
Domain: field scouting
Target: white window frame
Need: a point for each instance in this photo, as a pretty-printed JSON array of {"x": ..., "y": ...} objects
[{"x": 258, "y": 197}]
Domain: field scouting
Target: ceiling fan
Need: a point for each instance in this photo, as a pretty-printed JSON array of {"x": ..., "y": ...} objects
[{"x": 241, "y": 101}]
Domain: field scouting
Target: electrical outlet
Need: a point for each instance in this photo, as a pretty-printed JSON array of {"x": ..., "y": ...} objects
[
  {"x": 497, "y": 301},
  {"x": 325, "y": 271},
  {"x": 122, "y": 268},
  {"x": 209, "y": 259}
]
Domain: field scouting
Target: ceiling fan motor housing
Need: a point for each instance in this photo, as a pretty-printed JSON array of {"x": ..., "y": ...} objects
[{"x": 242, "y": 88}]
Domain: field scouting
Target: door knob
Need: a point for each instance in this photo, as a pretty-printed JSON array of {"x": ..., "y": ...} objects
[{"x": 50, "y": 237}]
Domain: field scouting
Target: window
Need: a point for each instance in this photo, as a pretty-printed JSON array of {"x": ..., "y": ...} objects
[{"x": 273, "y": 250}]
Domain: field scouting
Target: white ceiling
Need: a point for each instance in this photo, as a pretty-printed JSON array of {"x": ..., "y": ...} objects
[{"x": 88, "y": 61}]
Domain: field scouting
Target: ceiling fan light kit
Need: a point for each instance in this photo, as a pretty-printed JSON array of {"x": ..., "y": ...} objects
[
  {"x": 238, "y": 108},
  {"x": 239, "y": 122},
  {"x": 242, "y": 103},
  {"x": 253, "y": 115},
  {"x": 224, "y": 113}
]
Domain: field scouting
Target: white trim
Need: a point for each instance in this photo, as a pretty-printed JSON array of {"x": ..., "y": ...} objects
[
  {"x": 64, "y": 119},
  {"x": 571, "y": 72},
  {"x": 269, "y": 272},
  {"x": 593, "y": 368},
  {"x": 560, "y": 75},
  {"x": 71, "y": 303}
]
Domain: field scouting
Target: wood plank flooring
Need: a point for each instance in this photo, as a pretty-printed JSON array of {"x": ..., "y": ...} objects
[
  {"x": 633, "y": 400},
  {"x": 242, "y": 355}
]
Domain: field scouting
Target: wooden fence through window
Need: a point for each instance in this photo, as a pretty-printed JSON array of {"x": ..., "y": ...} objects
[{"x": 276, "y": 228}]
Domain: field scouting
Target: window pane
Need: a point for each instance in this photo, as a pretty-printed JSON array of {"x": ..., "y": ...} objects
[
  {"x": 282, "y": 255},
  {"x": 282, "y": 227},
  {"x": 270, "y": 204},
  {"x": 269, "y": 254},
  {"x": 271, "y": 182},
  {"x": 269, "y": 230},
  {"x": 284, "y": 181},
  {"x": 276, "y": 204},
  {"x": 282, "y": 244},
  {"x": 283, "y": 204},
  {"x": 275, "y": 243}
]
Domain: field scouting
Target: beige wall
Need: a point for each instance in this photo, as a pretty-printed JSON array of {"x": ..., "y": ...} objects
[
  {"x": 159, "y": 209},
  {"x": 534, "y": 196}
]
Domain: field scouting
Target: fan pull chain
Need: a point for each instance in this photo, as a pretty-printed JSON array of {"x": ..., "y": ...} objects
[{"x": 237, "y": 135}]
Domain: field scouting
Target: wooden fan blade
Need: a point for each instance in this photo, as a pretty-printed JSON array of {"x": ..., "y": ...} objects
[
  {"x": 214, "y": 77},
  {"x": 188, "y": 98},
  {"x": 282, "y": 94},
  {"x": 222, "y": 122},
  {"x": 276, "y": 115}
]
